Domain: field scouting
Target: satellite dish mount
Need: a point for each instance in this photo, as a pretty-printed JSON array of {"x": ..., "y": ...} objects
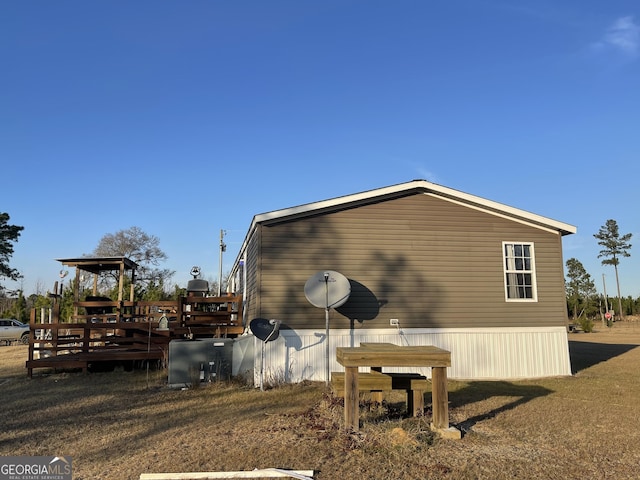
[{"x": 327, "y": 289}]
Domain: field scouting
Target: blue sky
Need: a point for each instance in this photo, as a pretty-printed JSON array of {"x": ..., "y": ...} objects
[{"x": 187, "y": 117}]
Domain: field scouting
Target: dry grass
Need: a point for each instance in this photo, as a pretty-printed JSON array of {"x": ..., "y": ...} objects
[{"x": 120, "y": 424}]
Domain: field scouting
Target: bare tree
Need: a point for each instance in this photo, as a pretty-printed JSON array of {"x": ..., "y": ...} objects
[
  {"x": 142, "y": 248},
  {"x": 613, "y": 246}
]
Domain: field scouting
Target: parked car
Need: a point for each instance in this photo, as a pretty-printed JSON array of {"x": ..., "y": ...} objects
[{"x": 11, "y": 329}]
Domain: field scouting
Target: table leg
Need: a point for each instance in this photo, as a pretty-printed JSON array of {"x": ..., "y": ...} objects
[
  {"x": 415, "y": 402},
  {"x": 376, "y": 395},
  {"x": 440, "y": 397},
  {"x": 351, "y": 398}
]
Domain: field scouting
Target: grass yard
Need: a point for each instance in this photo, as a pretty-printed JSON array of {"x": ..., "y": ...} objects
[{"x": 118, "y": 425}]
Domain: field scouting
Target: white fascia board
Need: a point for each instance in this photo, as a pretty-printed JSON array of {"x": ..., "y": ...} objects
[
  {"x": 462, "y": 197},
  {"x": 332, "y": 202},
  {"x": 438, "y": 190}
]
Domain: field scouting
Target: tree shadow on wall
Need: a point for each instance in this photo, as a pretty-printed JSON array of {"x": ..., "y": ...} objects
[
  {"x": 403, "y": 292},
  {"x": 380, "y": 280}
]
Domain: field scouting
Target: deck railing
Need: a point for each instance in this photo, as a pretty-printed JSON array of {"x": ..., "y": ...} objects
[{"x": 101, "y": 331}]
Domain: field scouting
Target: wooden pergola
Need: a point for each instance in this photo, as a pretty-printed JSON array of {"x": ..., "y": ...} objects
[{"x": 98, "y": 265}]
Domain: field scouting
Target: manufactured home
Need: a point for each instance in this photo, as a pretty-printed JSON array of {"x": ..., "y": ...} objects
[{"x": 426, "y": 265}]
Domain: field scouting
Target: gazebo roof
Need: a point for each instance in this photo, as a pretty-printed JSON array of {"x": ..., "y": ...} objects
[{"x": 99, "y": 264}]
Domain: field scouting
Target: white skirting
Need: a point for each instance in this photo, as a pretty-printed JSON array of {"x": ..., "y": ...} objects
[{"x": 480, "y": 353}]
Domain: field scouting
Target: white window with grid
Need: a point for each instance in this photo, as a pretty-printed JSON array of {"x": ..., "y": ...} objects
[{"x": 519, "y": 272}]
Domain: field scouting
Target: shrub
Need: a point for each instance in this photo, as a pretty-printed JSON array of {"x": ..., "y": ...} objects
[{"x": 586, "y": 324}]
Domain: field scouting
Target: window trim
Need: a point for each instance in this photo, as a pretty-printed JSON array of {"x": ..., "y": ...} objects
[{"x": 532, "y": 271}]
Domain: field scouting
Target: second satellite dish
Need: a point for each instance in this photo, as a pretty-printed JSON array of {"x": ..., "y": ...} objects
[
  {"x": 265, "y": 330},
  {"x": 327, "y": 289}
]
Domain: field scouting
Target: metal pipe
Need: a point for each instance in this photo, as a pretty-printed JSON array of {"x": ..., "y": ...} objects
[{"x": 326, "y": 317}]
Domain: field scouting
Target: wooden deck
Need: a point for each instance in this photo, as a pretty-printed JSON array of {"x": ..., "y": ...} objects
[{"x": 128, "y": 331}]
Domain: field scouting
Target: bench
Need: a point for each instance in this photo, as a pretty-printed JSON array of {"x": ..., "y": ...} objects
[
  {"x": 367, "y": 382},
  {"x": 415, "y": 385},
  {"x": 377, "y": 382}
]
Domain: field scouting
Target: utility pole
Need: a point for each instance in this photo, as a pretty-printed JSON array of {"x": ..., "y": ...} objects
[
  {"x": 223, "y": 248},
  {"x": 606, "y": 300}
]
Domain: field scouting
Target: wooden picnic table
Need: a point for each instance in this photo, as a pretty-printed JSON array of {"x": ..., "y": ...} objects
[{"x": 380, "y": 355}]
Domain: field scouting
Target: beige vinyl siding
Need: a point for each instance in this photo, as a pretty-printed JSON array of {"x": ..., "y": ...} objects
[
  {"x": 430, "y": 262},
  {"x": 252, "y": 294}
]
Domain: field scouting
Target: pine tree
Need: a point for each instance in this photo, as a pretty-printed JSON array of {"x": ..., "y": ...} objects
[
  {"x": 8, "y": 235},
  {"x": 614, "y": 247}
]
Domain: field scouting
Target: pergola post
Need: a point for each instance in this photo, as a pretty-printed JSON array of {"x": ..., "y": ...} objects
[
  {"x": 133, "y": 283},
  {"x": 76, "y": 292}
]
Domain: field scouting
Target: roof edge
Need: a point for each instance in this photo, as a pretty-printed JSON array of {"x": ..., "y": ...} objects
[{"x": 418, "y": 185}]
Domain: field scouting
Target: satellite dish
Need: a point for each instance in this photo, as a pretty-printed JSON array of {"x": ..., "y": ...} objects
[
  {"x": 327, "y": 289},
  {"x": 265, "y": 330}
]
